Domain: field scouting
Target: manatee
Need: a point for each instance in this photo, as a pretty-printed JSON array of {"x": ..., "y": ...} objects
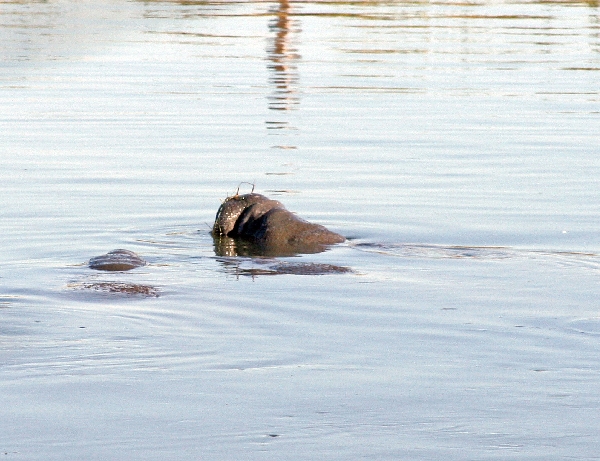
[
  {"x": 261, "y": 226},
  {"x": 117, "y": 260},
  {"x": 120, "y": 288}
]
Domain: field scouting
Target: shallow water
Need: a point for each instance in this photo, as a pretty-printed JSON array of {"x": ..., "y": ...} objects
[{"x": 454, "y": 144}]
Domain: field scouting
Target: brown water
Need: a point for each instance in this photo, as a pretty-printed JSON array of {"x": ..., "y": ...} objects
[{"x": 456, "y": 146}]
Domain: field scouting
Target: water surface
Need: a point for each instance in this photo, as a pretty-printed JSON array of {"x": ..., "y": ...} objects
[{"x": 454, "y": 144}]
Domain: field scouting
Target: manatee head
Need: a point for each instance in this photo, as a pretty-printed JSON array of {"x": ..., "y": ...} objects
[
  {"x": 253, "y": 224},
  {"x": 231, "y": 210}
]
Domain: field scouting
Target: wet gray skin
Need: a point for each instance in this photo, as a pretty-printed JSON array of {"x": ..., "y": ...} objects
[
  {"x": 255, "y": 225},
  {"x": 117, "y": 260}
]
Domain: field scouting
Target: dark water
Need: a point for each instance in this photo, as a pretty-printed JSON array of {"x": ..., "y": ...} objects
[{"x": 456, "y": 146}]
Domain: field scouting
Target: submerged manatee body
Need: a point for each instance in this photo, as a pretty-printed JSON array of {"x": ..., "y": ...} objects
[
  {"x": 116, "y": 260},
  {"x": 264, "y": 226}
]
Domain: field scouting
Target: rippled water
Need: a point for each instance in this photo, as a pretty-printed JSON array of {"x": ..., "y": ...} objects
[{"x": 456, "y": 146}]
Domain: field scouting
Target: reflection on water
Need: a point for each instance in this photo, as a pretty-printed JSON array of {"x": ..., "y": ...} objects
[
  {"x": 54, "y": 31},
  {"x": 254, "y": 267},
  {"x": 283, "y": 57},
  {"x": 227, "y": 246}
]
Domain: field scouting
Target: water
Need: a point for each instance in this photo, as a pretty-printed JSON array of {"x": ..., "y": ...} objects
[{"x": 454, "y": 144}]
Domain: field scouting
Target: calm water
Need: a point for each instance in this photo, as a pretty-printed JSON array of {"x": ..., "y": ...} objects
[{"x": 455, "y": 144}]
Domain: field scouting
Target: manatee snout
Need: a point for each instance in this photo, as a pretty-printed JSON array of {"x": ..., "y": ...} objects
[
  {"x": 268, "y": 228},
  {"x": 231, "y": 210}
]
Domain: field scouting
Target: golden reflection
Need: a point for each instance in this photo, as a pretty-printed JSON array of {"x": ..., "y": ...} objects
[
  {"x": 590, "y": 3},
  {"x": 283, "y": 58}
]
